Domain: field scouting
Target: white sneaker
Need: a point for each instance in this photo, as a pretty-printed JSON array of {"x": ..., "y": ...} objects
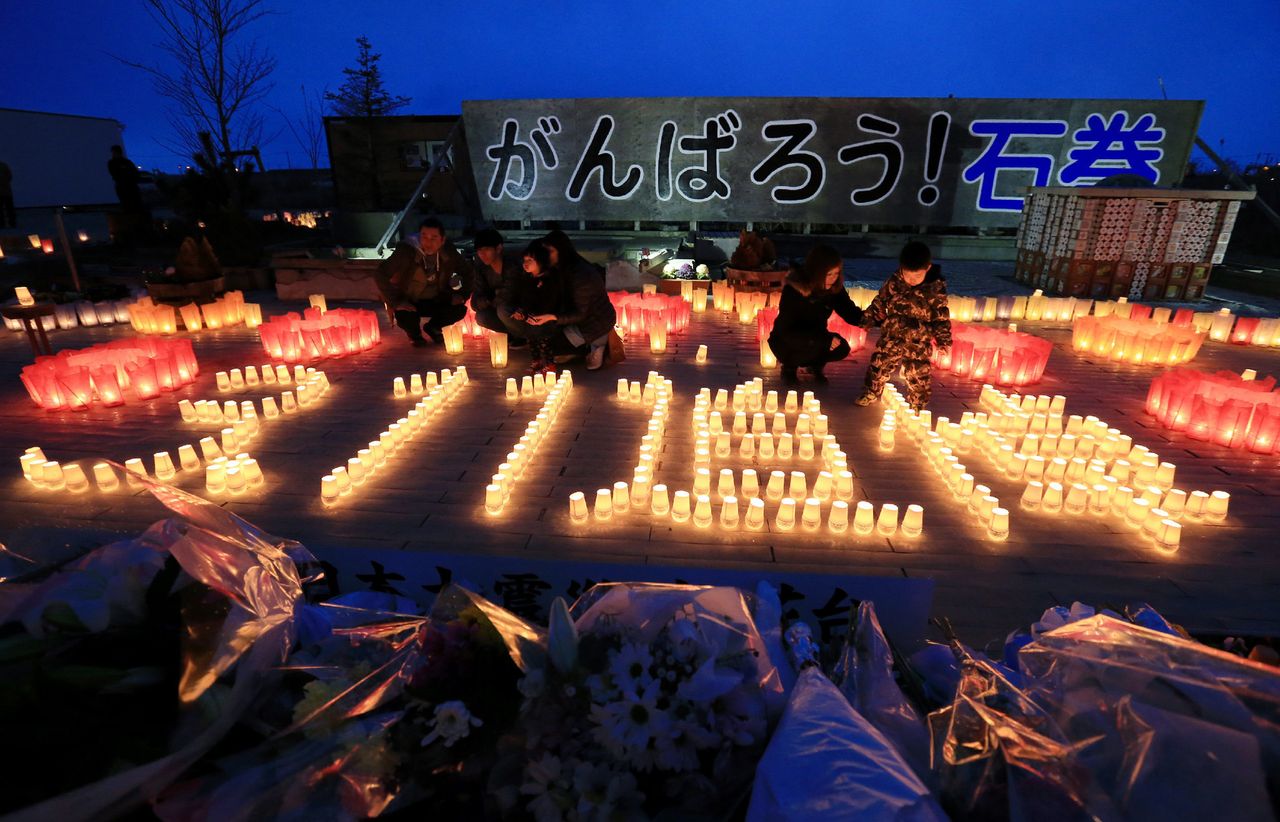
[{"x": 595, "y": 358}]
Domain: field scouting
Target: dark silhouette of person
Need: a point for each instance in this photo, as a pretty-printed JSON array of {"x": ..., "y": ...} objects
[
  {"x": 125, "y": 174},
  {"x": 8, "y": 217}
]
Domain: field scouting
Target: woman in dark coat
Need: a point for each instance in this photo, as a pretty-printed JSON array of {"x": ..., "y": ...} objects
[
  {"x": 533, "y": 304},
  {"x": 811, "y": 293},
  {"x": 585, "y": 316}
]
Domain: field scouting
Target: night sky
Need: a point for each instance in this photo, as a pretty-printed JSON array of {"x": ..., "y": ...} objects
[{"x": 57, "y": 56}]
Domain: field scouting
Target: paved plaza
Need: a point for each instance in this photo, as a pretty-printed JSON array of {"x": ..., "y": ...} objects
[{"x": 1225, "y": 578}]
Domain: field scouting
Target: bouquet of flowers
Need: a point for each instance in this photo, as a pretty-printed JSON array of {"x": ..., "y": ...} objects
[{"x": 657, "y": 697}]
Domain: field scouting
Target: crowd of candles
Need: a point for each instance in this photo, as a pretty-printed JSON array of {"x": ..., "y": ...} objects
[
  {"x": 766, "y": 439},
  {"x": 1138, "y": 341},
  {"x": 149, "y": 317},
  {"x": 1076, "y": 464},
  {"x": 1232, "y": 410},
  {"x": 315, "y": 334},
  {"x": 554, "y": 391},
  {"x": 110, "y": 373},
  {"x": 994, "y": 355},
  {"x": 435, "y": 394}
]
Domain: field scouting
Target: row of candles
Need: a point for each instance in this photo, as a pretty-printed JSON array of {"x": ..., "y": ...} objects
[
  {"x": 1235, "y": 411},
  {"x": 436, "y": 396},
  {"x": 319, "y": 333},
  {"x": 498, "y": 491},
  {"x": 222, "y": 472},
  {"x": 1137, "y": 341},
  {"x": 1110, "y": 473},
  {"x": 149, "y": 317},
  {"x": 977, "y": 498},
  {"x": 310, "y": 385},
  {"x": 234, "y": 474},
  {"x": 108, "y": 373},
  {"x": 535, "y": 385},
  {"x": 1004, "y": 357},
  {"x": 248, "y": 377}
]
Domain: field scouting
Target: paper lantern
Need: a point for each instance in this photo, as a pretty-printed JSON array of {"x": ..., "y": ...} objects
[
  {"x": 1138, "y": 341},
  {"x": 498, "y": 350},
  {"x": 102, "y": 373},
  {"x": 336, "y": 333},
  {"x": 1222, "y": 408}
]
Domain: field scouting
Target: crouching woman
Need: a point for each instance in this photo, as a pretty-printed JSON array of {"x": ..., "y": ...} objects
[{"x": 812, "y": 292}]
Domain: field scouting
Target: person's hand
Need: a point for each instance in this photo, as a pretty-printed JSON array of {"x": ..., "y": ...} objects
[{"x": 542, "y": 319}]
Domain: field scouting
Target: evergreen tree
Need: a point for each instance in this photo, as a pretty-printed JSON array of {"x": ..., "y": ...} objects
[{"x": 363, "y": 94}]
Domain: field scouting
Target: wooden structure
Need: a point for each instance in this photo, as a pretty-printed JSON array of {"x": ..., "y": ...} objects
[{"x": 1141, "y": 243}]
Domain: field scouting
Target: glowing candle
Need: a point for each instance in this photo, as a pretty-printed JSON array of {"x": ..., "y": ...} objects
[
  {"x": 750, "y": 484},
  {"x": 680, "y": 507},
  {"x": 747, "y": 446},
  {"x": 823, "y": 485},
  {"x": 355, "y": 470},
  {"x": 659, "y": 503},
  {"x": 755, "y": 514},
  {"x": 806, "y": 447},
  {"x": 838, "y": 519},
  {"x": 701, "y": 356},
  {"x": 1175, "y": 502},
  {"x": 766, "y": 446},
  {"x": 1032, "y": 495},
  {"x": 1136, "y": 514},
  {"x": 1216, "y": 506},
  {"x": 729, "y": 512},
  {"x": 785, "y": 519},
  {"x": 215, "y": 480},
  {"x": 188, "y": 411},
  {"x": 998, "y": 526},
  {"x": 287, "y": 402},
  {"x": 777, "y": 482},
  {"x": 1077, "y": 499},
  {"x": 864, "y": 518},
  {"x": 269, "y": 408},
  {"x": 702, "y": 511},
  {"x": 799, "y": 485},
  {"x": 223, "y": 381},
  {"x": 329, "y": 489},
  {"x": 725, "y": 487},
  {"x": 398, "y": 389},
  {"x": 887, "y": 437},
  {"x": 1052, "y": 500},
  {"x": 621, "y": 497},
  {"x": 913, "y": 521},
  {"x": 1100, "y": 499},
  {"x": 1170, "y": 535},
  {"x": 887, "y": 522},
  {"x": 75, "y": 479},
  {"x": 105, "y": 477},
  {"x": 164, "y": 465},
  {"x": 235, "y": 480},
  {"x": 341, "y": 478},
  {"x": 604, "y": 504},
  {"x": 844, "y": 485}
]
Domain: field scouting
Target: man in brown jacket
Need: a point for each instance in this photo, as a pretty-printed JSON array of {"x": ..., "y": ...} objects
[{"x": 426, "y": 281}]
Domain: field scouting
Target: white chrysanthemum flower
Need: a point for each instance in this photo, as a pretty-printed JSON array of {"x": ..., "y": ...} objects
[
  {"x": 628, "y": 725},
  {"x": 452, "y": 722},
  {"x": 629, "y": 668}
]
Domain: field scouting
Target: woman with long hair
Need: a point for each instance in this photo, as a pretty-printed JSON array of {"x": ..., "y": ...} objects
[{"x": 813, "y": 290}]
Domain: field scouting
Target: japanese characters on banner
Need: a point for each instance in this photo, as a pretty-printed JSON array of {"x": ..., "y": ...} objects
[
  {"x": 843, "y": 160},
  {"x": 527, "y": 586}
]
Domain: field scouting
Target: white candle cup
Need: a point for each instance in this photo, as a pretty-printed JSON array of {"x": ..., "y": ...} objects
[
  {"x": 237, "y": 379},
  {"x": 398, "y": 389},
  {"x": 223, "y": 381},
  {"x": 235, "y": 480},
  {"x": 975, "y": 499},
  {"x": 784, "y": 447},
  {"x": 755, "y": 514},
  {"x": 1077, "y": 499},
  {"x": 1170, "y": 535},
  {"x": 105, "y": 477},
  {"x": 1136, "y": 515},
  {"x": 578, "y": 508},
  {"x": 823, "y": 486},
  {"x": 164, "y": 465},
  {"x": 799, "y": 487},
  {"x": 777, "y": 483},
  {"x": 998, "y": 525},
  {"x": 1100, "y": 499},
  {"x": 1175, "y": 502},
  {"x": 701, "y": 356},
  {"x": 912, "y": 521},
  {"x": 329, "y": 492},
  {"x": 1217, "y": 505},
  {"x": 887, "y": 521},
  {"x": 844, "y": 485},
  {"x": 729, "y": 513},
  {"x": 252, "y": 473},
  {"x": 765, "y": 446},
  {"x": 864, "y": 518},
  {"x": 355, "y": 470},
  {"x": 621, "y": 497},
  {"x": 726, "y": 486},
  {"x": 785, "y": 519},
  {"x": 702, "y": 516},
  {"x": 681, "y": 508},
  {"x": 838, "y": 518},
  {"x": 659, "y": 501},
  {"x": 287, "y": 402},
  {"x": 341, "y": 478},
  {"x": 1052, "y": 500},
  {"x": 747, "y": 446},
  {"x": 604, "y": 504},
  {"x": 215, "y": 477},
  {"x": 702, "y": 481},
  {"x": 74, "y": 478},
  {"x": 1152, "y": 526},
  {"x": 269, "y": 408}
]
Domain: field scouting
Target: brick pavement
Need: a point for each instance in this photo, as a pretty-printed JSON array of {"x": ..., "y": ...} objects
[{"x": 1225, "y": 577}]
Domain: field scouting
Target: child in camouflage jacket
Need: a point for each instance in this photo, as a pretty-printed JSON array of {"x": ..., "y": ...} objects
[{"x": 911, "y": 310}]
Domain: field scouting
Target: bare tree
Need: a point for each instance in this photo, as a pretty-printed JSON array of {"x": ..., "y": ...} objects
[
  {"x": 218, "y": 77},
  {"x": 307, "y": 126}
]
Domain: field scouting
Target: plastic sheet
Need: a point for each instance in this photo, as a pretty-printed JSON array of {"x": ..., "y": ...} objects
[
  {"x": 723, "y": 614},
  {"x": 827, "y": 761},
  {"x": 1152, "y": 708},
  {"x": 246, "y": 622},
  {"x": 864, "y": 673}
]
